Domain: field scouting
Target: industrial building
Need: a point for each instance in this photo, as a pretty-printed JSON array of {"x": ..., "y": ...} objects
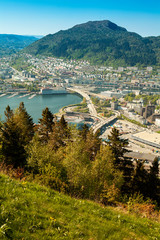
[
  {"x": 149, "y": 138},
  {"x": 146, "y": 157}
]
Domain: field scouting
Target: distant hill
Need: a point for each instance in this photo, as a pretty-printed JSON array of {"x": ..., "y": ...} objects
[
  {"x": 10, "y": 43},
  {"x": 100, "y": 42}
]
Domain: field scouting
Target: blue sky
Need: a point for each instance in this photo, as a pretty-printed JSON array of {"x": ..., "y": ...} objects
[{"x": 41, "y": 17}]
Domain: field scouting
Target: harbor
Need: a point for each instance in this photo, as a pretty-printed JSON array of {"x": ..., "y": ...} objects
[{"x": 35, "y": 103}]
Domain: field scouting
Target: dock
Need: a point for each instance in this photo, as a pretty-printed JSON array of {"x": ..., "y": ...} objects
[
  {"x": 15, "y": 94},
  {"x": 25, "y": 95},
  {"x": 4, "y": 94},
  {"x": 32, "y": 96}
]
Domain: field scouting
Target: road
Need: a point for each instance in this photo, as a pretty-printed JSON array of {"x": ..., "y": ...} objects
[
  {"x": 90, "y": 105},
  {"x": 104, "y": 122},
  {"x": 101, "y": 121}
]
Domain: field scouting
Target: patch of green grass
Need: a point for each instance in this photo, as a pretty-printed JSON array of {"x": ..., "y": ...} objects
[{"x": 29, "y": 211}]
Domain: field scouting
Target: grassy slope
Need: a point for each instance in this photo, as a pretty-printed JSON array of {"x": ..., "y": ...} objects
[{"x": 29, "y": 211}]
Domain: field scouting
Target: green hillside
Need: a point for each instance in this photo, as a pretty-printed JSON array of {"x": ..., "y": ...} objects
[
  {"x": 100, "y": 42},
  {"x": 29, "y": 211},
  {"x": 10, "y": 43}
]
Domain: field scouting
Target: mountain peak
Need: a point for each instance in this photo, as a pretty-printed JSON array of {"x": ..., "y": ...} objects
[
  {"x": 100, "y": 42},
  {"x": 104, "y": 24}
]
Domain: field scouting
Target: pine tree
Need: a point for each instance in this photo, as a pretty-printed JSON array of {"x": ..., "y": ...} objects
[
  {"x": 60, "y": 135},
  {"x": 25, "y": 123},
  {"x": 84, "y": 131},
  {"x": 127, "y": 169},
  {"x": 8, "y": 113},
  {"x": 56, "y": 138},
  {"x": 125, "y": 165},
  {"x": 118, "y": 146},
  {"x": 92, "y": 144},
  {"x": 140, "y": 179},
  {"x": 46, "y": 124},
  {"x": 13, "y": 149},
  {"x": 63, "y": 122},
  {"x": 64, "y": 129},
  {"x": 154, "y": 181},
  {"x": 16, "y": 132},
  {"x": 154, "y": 169}
]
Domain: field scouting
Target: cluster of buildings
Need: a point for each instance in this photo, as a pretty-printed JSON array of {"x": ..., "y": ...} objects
[
  {"x": 136, "y": 111},
  {"x": 51, "y": 71},
  {"x": 48, "y": 72}
]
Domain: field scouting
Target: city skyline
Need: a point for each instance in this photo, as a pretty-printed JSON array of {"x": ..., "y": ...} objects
[{"x": 45, "y": 17}]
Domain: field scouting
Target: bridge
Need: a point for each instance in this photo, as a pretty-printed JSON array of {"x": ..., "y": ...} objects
[
  {"x": 90, "y": 105},
  {"x": 102, "y": 121}
]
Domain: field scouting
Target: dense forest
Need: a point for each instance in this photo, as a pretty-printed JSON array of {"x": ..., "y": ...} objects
[
  {"x": 10, "y": 43},
  {"x": 73, "y": 161},
  {"x": 100, "y": 42}
]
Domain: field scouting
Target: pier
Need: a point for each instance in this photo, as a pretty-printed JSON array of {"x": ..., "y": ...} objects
[
  {"x": 15, "y": 94},
  {"x": 25, "y": 95},
  {"x": 4, "y": 94},
  {"x": 32, "y": 96}
]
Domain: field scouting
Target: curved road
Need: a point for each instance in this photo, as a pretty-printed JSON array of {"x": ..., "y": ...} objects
[{"x": 93, "y": 112}]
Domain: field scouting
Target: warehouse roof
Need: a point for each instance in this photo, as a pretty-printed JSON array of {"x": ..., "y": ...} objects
[
  {"x": 141, "y": 156},
  {"x": 150, "y": 138}
]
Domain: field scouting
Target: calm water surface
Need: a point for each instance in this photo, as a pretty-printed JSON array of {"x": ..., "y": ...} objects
[{"x": 35, "y": 105}]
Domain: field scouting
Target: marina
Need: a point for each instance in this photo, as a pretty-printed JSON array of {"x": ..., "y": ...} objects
[
  {"x": 24, "y": 95},
  {"x": 32, "y": 96},
  {"x": 2, "y": 95},
  {"x": 35, "y": 103},
  {"x": 11, "y": 96}
]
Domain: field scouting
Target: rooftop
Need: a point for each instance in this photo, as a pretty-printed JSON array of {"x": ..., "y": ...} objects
[
  {"x": 150, "y": 138},
  {"x": 141, "y": 156}
]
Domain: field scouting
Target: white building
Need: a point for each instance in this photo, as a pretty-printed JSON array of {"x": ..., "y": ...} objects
[{"x": 157, "y": 122}]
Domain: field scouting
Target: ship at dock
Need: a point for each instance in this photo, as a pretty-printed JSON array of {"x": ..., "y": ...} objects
[{"x": 52, "y": 91}]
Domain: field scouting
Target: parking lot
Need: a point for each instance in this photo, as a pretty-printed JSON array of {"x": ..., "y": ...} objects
[{"x": 127, "y": 129}]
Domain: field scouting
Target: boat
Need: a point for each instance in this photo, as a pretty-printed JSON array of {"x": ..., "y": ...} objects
[{"x": 56, "y": 90}]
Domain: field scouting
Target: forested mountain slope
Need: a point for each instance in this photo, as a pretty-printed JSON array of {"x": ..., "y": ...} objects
[
  {"x": 100, "y": 42},
  {"x": 10, "y": 43}
]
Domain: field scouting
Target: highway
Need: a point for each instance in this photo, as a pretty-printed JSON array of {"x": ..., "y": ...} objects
[
  {"x": 93, "y": 112},
  {"x": 103, "y": 122},
  {"x": 90, "y": 105}
]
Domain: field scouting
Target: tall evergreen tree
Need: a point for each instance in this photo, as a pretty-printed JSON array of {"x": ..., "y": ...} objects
[
  {"x": 125, "y": 165},
  {"x": 118, "y": 146},
  {"x": 84, "y": 131},
  {"x": 60, "y": 135},
  {"x": 8, "y": 113},
  {"x": 154, "y": 181},
  {"x": 140, "y": 179},
  {"x": 64, "y": 128},
  {"x": 92, "y": 144},
  {"x": 12, "y": 144},
  {"x": 56, "y": 138},
  {"x": 25, "y": 123},
  {"x": 63, "y": 122},
  {"x": 127, "y": 168},
  {"x": 46, "y": 124},
  {"x": 16, "y": 133}
]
